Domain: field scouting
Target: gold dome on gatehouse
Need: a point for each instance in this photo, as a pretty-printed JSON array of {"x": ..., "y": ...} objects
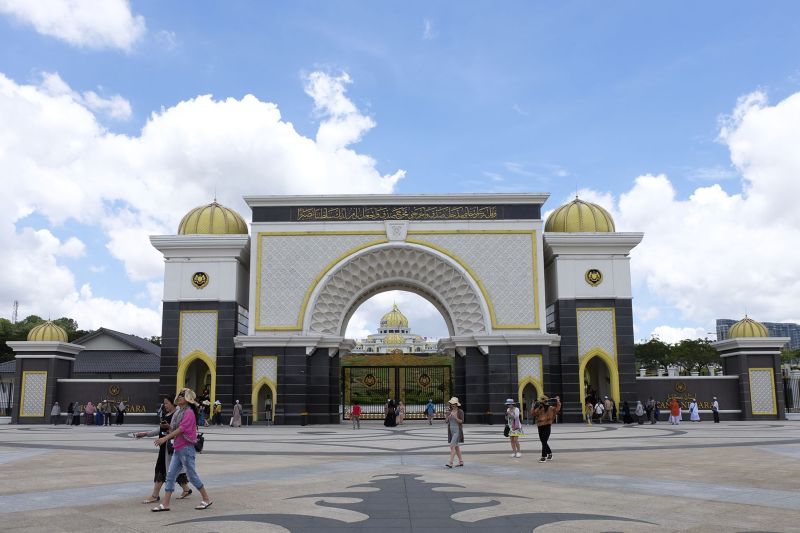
[
  {"x": 394, "y": 319},
  {"x": 580, "y": 217},
  {"x": 747, "y": 327},
  {"x": 212, "y": 219},
  {"x": 47, "y": 332},
  {"x": 394, "y": 338}
]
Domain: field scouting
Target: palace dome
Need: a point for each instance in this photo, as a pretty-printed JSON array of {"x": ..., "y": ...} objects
[
  {"x": 578, "y": 217},
  {"x": 47, "y": 331},
  {"x": 747, "y": 327},
  {"x": 394, "y": 319},
  {"x": 394, "y": 338},
  {"x": 212, "y": 219}
]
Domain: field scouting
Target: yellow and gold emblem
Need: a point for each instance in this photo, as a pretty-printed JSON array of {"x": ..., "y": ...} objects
[
  {"x": 199, "y": 279},
  {"x": 594, "y": 277},
  {"x": 114, "y": 390}
]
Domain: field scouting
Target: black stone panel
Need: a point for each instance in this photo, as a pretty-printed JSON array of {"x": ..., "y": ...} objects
[
  {"x": 292, "y": 378},
  {"x": 565, "y": 323},
  {"x": 374, "y": 212},
  {"x": 475, "y": 403}
]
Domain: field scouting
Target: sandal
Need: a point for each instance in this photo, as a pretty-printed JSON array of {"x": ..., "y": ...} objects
[
  {"x": 160, "y": 508},
  {"x": 152, "y": 499},
  {"x": 185, "y": 494},
  {"x": 459, "y": 464},
  {"x": 203, "y": 505}
]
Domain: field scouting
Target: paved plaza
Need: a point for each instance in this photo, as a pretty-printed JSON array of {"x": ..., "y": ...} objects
[{"x": 734, "y": 476}]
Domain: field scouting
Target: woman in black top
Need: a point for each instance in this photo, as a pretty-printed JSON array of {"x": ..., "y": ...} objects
[{"x": 163, "y": 451}]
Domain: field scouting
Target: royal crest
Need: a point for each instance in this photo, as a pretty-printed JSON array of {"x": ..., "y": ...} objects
[
  {"x": 199, "y": 279},
  {"x": 594, "y": 277}
]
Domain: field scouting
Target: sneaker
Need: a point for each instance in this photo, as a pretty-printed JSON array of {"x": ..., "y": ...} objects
[
  {"x": 518, "y": 454},
  {"x": 542, "y": 459},
  {"x": 513, "y": 455},
  {"x": 549, "y": 456}
]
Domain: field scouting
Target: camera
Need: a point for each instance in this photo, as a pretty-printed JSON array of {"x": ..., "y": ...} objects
[{"x": 552, "y": 402}]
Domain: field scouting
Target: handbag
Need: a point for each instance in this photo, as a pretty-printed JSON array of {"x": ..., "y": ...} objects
[
  {"x": 198, "y": 444},
  {"x": 506, "y": 431}
]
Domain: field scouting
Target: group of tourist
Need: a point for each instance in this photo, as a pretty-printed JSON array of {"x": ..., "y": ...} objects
[
  {"x": 648, "y": 411},
  {"x": 91, "y": 414}
]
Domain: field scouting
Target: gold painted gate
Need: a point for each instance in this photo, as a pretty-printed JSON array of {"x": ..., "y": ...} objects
[{"x": 372, "y": 386}]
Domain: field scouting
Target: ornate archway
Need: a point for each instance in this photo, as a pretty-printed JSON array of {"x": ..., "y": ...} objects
[{"x": 397, "y": 265}]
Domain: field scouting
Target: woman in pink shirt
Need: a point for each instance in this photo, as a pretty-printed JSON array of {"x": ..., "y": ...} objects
[{"x": 183, "y": 429}]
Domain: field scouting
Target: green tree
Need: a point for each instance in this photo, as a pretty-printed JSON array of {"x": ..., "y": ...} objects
[
  {"x": 790, "y": 357},
  {"x": 694, "y": 354},
  {"x": 653, "y": 354}
]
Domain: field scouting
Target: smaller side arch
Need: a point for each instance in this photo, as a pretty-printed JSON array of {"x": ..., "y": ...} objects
[
  {"x": 187, "y": 362},
  {"x": 537, "y": 387},
  {"x": 612, "y": 370},
  {"x": 263, "y": 382}
]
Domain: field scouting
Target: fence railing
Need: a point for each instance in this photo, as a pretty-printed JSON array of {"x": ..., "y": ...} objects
[{"x": 413, "y": 412}]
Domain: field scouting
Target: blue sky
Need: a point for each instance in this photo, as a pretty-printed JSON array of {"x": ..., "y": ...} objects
[{"x": 466, "y": 97}]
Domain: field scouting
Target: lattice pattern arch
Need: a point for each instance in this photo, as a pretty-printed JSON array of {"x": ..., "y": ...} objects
[
  {"x": 198, "y": 333},
  {"x": 410, "y": 264}
]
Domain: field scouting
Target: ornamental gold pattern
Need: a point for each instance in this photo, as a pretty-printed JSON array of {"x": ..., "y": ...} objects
[
  {"x": 580, "y": 217},
  {"x": 47, "y": 332}
]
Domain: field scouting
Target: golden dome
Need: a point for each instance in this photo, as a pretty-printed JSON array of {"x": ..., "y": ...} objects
[
  {"x": 394, "y": 319},
  {"x": 394, "y": 338},
  {"x": 212, "y": 219},
  {"x": 579, "y": 216},
  {"x": 747, "y": 327},
  {"x": 47, "y": 331}
]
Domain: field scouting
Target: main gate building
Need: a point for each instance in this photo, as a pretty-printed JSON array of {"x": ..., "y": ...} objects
[{"x": 531, "y": 308}]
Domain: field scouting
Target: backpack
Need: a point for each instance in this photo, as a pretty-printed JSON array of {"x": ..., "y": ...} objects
[{"x": 599, "y": 409}]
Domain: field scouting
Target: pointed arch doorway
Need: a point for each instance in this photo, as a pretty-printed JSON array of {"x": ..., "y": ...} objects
[{"x": 599, "y": 375}]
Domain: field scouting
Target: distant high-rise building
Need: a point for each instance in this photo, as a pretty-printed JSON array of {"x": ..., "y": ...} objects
[{"x": 776, "y": 329}]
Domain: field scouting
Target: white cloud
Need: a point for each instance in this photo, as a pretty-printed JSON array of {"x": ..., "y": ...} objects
[
  {"x": 715, "y": 253},
  {"x": 83, "y": 23},
  {"x": 671, "y": 335},
  {"x": 66, "y": 165},
  {"x": 428, "y": 31},
  {"x": 115, "y": 107}
]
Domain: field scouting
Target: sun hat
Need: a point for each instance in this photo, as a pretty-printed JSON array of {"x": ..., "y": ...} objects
[
  {"x": 510, "y": 401},
  {"x": 217, "y": 402},
  {"x": 455, "y": 401},
  {"x": 206, "y": 402},
  {"x": 188, "y": 395}
]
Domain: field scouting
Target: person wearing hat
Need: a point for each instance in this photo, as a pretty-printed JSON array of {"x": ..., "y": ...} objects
[
  {"x": 514, "y": 427},
  {"x": 183, "y": 429},
  {"x": 217, "y": 418},
  {"x": 236, "y": 419},
  {"x": 545, "y": 413},
  {"x": 715, "y": 410},
  {"x": 455, "y": 430},
  {"x": 202, "y": 420},
  {"x": 694, "y": 412}
]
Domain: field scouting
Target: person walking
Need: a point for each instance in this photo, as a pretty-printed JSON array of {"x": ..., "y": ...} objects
[
  {"x": 121, "y": 407},
  {"x": 639, "y": 412},
  {"x": 650, "y": 409},
  {"x": 515, "y": 427},
  {"x": 55, "y": 413},
  {"x": 608, "y": 407},
  {"x": 70, "y": 413},
  {"x": 217, "y": 420},
  {"x": 694, "y": 412},
  {"x": 76, "y": 414},
  {"x": 201, "y": 414},
  {"x": 89, "y": 411},
  {"x": 236, "y": 419},
  {"x": 674, "y": 411},
  {"x": 545, "y": 414},
  {"x": 167, "y": 410},
  {"x": 390, "y": 412},
  {"x": 454, "y": 418},
  {"x": 626, "y": 413},
  {"x": 183, "y": 428},
  {"x": 715, "y": 410},
  {"x": 430, "y": 410},
  {"x": 588, "y": 411},
  {"x": 107, "y": 414},
  {"x": 599, "y": 409},
  {"x": 355, "y": 415}
]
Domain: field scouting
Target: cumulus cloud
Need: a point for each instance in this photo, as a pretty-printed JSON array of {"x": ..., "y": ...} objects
[
  {"x": 58, "y": 161},
  {"x": 671, "y": 335},
  {"x": 715, "y": 253},
  {"x": 115, "y": 107},
  {"x": 83, "y": 23}
]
